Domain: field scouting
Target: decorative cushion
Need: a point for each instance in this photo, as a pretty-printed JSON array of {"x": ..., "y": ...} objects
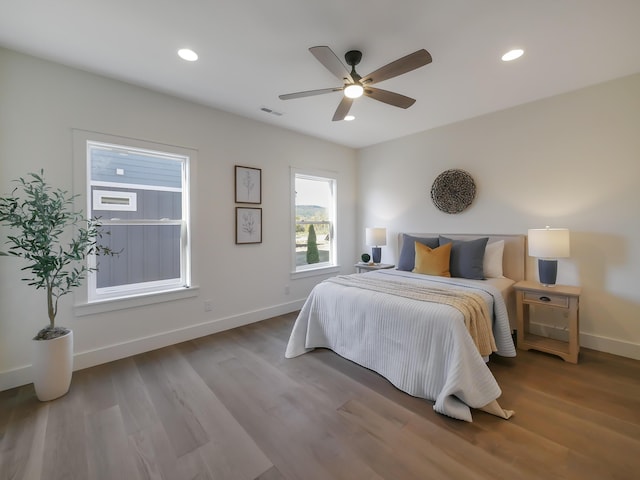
[
  {"x": 467, "y": 257},
  {"x": 406, "y": 262},
  {"x": 432, "y": 261},
  {"x": 492, "y": 264}
]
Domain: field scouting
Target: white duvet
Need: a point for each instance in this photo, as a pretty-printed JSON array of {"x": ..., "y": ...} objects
[{"x": 423, "y": 348}]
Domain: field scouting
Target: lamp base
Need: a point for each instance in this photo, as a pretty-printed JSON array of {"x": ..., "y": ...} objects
[
  {"x": 376, "y": 254},
  {"x": 547, "y": 272}
]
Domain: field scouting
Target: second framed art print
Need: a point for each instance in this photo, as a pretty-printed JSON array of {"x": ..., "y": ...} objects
[{"x": 248, "y": 225}]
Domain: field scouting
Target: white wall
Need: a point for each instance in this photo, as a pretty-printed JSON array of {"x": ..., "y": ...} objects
[
  {"x": 568, "y": 161},
  {"x": 40, "y": 104}
]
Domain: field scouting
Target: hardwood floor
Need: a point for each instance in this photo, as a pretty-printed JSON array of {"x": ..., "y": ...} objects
[{"x": 230, "y": 406}]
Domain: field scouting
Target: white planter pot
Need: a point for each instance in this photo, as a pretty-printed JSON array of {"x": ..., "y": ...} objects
[{"x": 52, "y": 366}]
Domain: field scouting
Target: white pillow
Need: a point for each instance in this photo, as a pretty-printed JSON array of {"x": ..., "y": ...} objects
[{"x": 492, "y": 263}]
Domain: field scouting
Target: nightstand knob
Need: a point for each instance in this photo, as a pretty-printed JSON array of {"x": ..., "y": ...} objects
[{"x": 545, "y": 299}]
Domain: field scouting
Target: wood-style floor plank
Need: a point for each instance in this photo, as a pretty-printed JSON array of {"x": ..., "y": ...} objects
[
  {"x": 141, "y": 448},
  {"x": 171, "y": 403},
  {"x": 230, "y": 406},
  {"x": 223, "y": 444},
  {"x": 25, "y": 425},
  {"x": 132, "y": 396},
  {"x": 107, "y": 446},
  {"x": 272, "y": 474},
  {"x": 247, "y": 396},
  {"x": 419, "y": 458},
  {"x": 65, "y": 451}
]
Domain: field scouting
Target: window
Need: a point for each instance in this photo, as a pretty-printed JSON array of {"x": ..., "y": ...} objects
[
  {"x": 314, "y": 212},
  {"x": 141, "y": 197}
]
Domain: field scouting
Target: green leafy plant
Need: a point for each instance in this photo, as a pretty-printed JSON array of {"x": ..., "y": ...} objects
[
  {"x": 54, "y": 239},
  {"x": 313, "y": 256}
]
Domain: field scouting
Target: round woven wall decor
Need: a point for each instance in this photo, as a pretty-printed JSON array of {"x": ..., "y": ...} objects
[{"x": 453, "y": 191}]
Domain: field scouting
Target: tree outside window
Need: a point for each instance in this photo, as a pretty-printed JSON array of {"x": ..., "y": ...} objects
[{"x": 315, "y": 208}]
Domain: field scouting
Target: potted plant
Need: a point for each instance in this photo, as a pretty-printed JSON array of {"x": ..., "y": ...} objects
[{"x": 55, "y": 241}]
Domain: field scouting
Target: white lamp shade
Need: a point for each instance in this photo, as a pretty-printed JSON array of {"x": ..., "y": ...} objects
[
  {"x": 376, "y": 236},
  {"x": 548, "y": 242}
]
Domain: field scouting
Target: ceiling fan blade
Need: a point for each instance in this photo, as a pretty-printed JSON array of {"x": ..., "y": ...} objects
[
  {"x": 310, "y": 93},
  {"x": 402, "y": 65},
  {"x": 390, "y": 98},
  {"x": 343, "y": 109},
  {"x": 331, "y": 62}
]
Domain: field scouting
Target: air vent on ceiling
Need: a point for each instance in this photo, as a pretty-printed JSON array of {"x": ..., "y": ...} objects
[{"x": 272, "y": 112}]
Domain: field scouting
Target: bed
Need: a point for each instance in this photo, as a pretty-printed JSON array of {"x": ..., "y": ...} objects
[{"x": 428, "y": 348}]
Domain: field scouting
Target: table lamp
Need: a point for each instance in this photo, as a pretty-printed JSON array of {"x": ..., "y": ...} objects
[
  {"x": 548, "y": 244},
  {"x": 376, "y": 237}
]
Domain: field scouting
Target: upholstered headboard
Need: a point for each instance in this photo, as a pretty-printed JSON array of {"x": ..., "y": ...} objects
[{"x": 514, "y": 256}]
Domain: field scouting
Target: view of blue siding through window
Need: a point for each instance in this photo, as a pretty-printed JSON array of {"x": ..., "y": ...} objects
[
  {"x": 137, "y": 168},
  {"x": 146, "y": 230}
]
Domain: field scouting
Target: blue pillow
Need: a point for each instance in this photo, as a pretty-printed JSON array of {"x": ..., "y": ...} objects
[
  {"x": 407, "y": 259},
  {"x": 467, "y": 257}
]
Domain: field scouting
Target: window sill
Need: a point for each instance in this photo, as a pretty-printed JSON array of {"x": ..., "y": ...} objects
[
  {"x": 113, "y": 304},
  {"x": 314, "y": 272}
]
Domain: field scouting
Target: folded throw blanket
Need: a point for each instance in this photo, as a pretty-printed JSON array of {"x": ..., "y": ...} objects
[{"x": 473, "y": 308}]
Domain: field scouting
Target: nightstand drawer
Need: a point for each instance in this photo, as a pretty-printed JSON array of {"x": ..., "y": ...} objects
[{"x": 546, "y": 299}]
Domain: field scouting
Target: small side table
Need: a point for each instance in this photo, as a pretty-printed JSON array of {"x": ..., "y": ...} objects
[
  {"x": 367, "y": 267},
  {"x": 562, "y": 297}
]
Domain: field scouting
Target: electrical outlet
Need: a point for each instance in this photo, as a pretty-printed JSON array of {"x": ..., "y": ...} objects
[
  {"x": 208, "y": 306},
  {"x": 286, "y": 290}
]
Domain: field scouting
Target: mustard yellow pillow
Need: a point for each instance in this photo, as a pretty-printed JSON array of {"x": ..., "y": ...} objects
[{"x": 433, "y": 261}]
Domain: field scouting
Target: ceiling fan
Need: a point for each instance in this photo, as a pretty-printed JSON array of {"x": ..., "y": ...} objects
[{"x": 355, "y": 85}]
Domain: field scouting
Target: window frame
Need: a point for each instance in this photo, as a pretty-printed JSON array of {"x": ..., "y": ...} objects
[
  {"x": 332, "y": 266},
  {"x": 87, "y": 302}
]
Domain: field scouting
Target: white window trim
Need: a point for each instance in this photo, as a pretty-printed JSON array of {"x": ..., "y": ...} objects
[
  {"x": 135, "y": 186},
  {"x": 317, "y": 269},
  {"x": 133, "y": 301},
  {"x": 81, "y": 179}
]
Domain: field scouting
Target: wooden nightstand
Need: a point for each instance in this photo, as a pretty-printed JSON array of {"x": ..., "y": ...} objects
[
  {"x": 366, "y": 267},
  {"x": 562, "y": 297}
]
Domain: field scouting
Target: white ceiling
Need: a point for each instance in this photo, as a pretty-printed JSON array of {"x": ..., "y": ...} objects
[{"x": 253, "y": 50}]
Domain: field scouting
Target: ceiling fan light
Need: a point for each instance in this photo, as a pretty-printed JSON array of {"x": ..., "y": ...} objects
[{"x": 353, "y": 91}]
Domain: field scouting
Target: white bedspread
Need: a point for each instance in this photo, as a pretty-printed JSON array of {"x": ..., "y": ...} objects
[{"x": 421, "y": 347}]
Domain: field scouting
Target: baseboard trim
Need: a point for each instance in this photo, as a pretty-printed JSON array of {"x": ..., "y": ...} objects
[
  {"x": 589, "y": 340},
  {"x": 89, "y": 358}
]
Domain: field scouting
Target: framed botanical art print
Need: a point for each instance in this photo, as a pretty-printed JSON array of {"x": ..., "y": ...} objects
[
  {"x": 248, "y": 185},
  {"x": 248, "y": 225}
]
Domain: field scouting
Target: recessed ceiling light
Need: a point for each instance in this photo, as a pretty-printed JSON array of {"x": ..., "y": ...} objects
[
  {"x": 512, "y": 55},
  {"x": 188, "y": 54},
  {"x": 348, "y": 118}
]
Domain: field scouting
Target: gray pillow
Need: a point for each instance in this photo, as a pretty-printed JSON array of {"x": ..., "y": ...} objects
[
  {"x": 467, "y": 257},
  {"x": 407, "y": 259}
]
